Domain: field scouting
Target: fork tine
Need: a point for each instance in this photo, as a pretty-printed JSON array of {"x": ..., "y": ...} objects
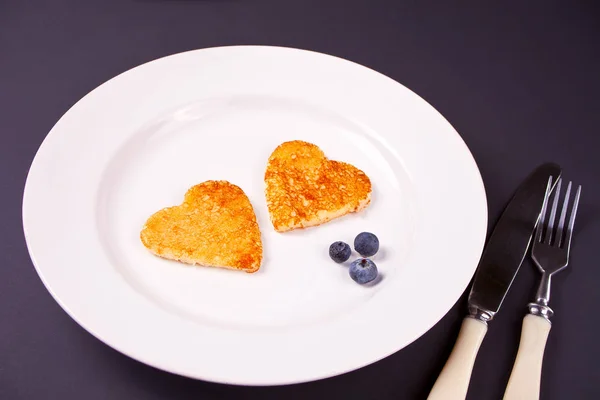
[
  {"x": 540, "y": 225},
  {"x": 563, "y": 215},
  {"x": 553, "y": 213},
  {"x": 567, "y": 244}
]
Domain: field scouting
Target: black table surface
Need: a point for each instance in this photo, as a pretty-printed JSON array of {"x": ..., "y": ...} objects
[{"x": 519, "y": 83}]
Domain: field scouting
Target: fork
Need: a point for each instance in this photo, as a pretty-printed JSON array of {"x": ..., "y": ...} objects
[{"x": 550, "y": 254}]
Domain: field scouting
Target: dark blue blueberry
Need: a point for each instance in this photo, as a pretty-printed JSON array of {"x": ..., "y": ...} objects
[
  {"x": 366, "y": 244},
  {"x": 339, "y": 252},
  {"x": 363, "y": 270}
]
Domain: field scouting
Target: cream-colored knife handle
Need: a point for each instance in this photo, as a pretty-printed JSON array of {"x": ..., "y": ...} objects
[
  {"x": 453, "y": 382},
  {"x": 524, "y": 382}
]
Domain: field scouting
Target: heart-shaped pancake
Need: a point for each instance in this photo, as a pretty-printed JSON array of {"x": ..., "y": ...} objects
[
  {"x": 304, "y": 188},
  {"x": 215, "y": 226}
]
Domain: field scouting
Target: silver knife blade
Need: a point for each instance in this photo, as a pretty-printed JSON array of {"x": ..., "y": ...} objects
[{"x": 508, "y": 243}]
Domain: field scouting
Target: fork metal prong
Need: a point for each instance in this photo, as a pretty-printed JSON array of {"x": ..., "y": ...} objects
[
  {"x": 552, "y": 257},
  {"x": 563, "y": 215},
  {"x": 567, "y": 244},
  {"x": 550, "y": 228},
  {"x": 540, "y": 225}
]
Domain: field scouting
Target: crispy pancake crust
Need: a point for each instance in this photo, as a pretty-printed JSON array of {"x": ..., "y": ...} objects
[
  {"x": 215, "y": 226},
  {"x": 304, "y": 188}
]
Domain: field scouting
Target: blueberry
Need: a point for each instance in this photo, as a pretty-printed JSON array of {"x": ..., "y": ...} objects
[
  {"x": 366, "y": 244},
  {"x": 339, "y": 252},
  {"x": 363, "y": 270}
]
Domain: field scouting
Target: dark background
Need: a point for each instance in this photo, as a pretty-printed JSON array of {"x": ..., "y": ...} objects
[{"x": 518, "y": 81}]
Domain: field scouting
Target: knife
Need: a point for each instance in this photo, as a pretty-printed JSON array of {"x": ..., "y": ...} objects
[{"x": 498, "y": 266}]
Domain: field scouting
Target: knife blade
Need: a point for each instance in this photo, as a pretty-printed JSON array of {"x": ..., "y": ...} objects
[
  {"x": 508, "y": 243},
  {"x": 505, "y": 250}
]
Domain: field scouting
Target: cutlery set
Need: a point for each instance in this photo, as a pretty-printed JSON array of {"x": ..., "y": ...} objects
[{"x": 525, "y": 218}]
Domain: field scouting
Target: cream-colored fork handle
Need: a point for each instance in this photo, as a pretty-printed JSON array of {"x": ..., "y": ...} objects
[
  {"x": 524, "y": 382},
  {"x": 453, "y": 382}
]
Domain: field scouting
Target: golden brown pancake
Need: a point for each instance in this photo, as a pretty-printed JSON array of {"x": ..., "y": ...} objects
[
  {"x": 304, "y": 188},
  {"x": 215, "y": 226}
]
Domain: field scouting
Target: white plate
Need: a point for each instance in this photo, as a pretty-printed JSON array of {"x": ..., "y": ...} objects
[{"x": 137, "y": 142}]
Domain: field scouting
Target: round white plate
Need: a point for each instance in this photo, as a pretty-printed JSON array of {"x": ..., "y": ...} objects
[{"x": 136, "y": 143}]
